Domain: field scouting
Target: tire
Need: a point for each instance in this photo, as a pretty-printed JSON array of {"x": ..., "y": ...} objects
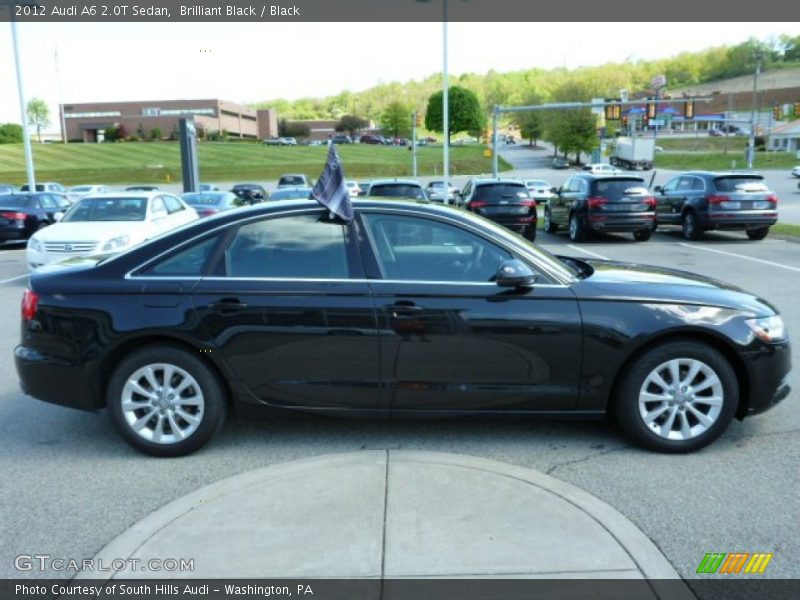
[
  {"x": 199, "y": 418},
  {"x": 758, "y": 234},
  {"x": 549, "y": 225},
  {"x": 642, "y": 235},
  {"x": 577, "y": 232},
  {"x": 691, "y": 230},
  {"x": 678, "y": 422},
  {"x": 530, "y": 233}
]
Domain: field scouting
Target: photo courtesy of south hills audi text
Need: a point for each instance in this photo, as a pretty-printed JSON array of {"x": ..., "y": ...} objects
[{"x": 147, "y": 590}]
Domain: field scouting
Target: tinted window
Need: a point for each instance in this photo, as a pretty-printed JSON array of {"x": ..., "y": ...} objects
[
  {"x": 47, "y": 202},
  {"x": 303, "y": 194},
  {"x": 495, "y": 192},
  {"x": 393, "y": 190},
  {"x": 614, "y": 189},
  {"x": 671, "y": 185},
  {"x": 107, "y": 209},
  {"x": 188, "y": 262},
  {"x": 295, "y": 247},
  {"x": 292, "y": 180},
  {"x": 413, "y": 249},
  {"x": 736, "y": 184},
  {"x": 16, "y": 202}
]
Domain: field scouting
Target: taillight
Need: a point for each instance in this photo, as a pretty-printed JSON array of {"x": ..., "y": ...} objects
[
  {"x": 717, "y": 199},
  {"x": 527, "y": 202},
  {"x": 30, "y": 302},
  {"x": 477, "y": 204},
  {"x": 596, "y": 202},
  {"x": 208, "y": 212},
  {"x": 772, "y": 198},
  {"x": 650, "y": 201},
  {"x": 13, "y": 216}
]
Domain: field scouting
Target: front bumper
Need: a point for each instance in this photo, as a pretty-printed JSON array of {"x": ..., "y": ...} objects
[{"x": 768, "y": 374}]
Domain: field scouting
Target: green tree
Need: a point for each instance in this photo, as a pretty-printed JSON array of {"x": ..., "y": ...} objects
[
  {"x": 351, "y": 124},
  {"x": 396, "y": 120},
  {"x": 156, "y": 133},
  {"x": 531, "y": 124},
  {"x": 464, "y": 112},
  {"x": 38, "y": 115},
  {"x": 293, "y": 129},
  {"x": 10, "y": 133},
  {"x": 111, "y": 134}
]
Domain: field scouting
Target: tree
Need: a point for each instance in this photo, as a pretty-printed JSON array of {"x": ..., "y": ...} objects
[
  {"x": 293, "y": 129},
  {"x": 10, "y": 133},
  {"x": 531, "y": 124},
  {"x": 156, "y": 133},
  {"x": 111, "y": 133},
  {"x": 351, "y": 124},
  {"x": 464, "y": 112},
  {"x": 38, "y": 115},
  {"x": 396, "y": 120}
]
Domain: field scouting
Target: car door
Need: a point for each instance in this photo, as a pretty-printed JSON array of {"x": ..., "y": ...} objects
[
  {"x": 450, "y": 338},
  {"x": 665, "y": 213},
  {"x": 679, "y": 197},
  {"x": 289, "y": 310},
  {"x": 558, "y": 213}
]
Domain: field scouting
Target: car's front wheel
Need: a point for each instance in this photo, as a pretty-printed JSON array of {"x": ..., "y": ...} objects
[
  {"x": 758, "y": 234},
  {"x": 642, "y": 235},
  {"x": 165, "y": 401},
  {"x": 549, "y": 224},
  {"x": 677, "y": 397}
]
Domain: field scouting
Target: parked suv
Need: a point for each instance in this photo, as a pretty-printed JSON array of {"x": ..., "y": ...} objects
[
  {"x": 702, "y": 200},
  {"x": 602, "y": 203},
  {"x": 294, "y": 180},
  {"x": 504, "y": 201}
]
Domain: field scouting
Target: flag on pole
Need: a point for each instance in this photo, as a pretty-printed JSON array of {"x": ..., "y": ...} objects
[{"x": 330, "y": 190}]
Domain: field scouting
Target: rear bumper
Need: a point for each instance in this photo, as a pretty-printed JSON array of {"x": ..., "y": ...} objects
[
  {"x": 54, "y": 380},
  {"x": 9, "y": 235},
  {"x": 620, "y": 223},
  {"x": 740, "y": 220}
]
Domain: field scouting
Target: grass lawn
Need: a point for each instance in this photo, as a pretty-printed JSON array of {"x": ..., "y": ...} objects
[
  {"x": 718, "y": 161},
  {"x": 785, "y": 229},
  {"x": 704, "y": 143},
  {"x": 138, "y": 162}
]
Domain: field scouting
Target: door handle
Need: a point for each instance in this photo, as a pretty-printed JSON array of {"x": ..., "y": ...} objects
[
  {"x": 402, "y": 310},
  {"x": 227, "y": 306}
]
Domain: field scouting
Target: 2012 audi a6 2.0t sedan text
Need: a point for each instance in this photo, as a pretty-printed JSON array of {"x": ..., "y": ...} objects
[{"x": 408, "y": 309}]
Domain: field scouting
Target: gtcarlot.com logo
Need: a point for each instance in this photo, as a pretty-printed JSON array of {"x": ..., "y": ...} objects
[{"x": 734, "y": 563}]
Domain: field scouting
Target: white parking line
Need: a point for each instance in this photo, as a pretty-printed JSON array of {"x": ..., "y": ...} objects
[
  {"x": 13, "y": 278},
  {"x": 742, "y": 256},
  {"x": 589, "y": 252}
]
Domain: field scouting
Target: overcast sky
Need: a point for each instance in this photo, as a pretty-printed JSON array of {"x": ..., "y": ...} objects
[{"x": 251, "y": 62}]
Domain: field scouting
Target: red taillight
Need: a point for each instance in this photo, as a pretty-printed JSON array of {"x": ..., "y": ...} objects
[
  {"x": 477, "y": 204},
  {"x": 13, "y": 216},
  {"x": 208, "y": 212},
  {"x": 717, "y": 199},
  {"x": 527, "y": 202},
  {"x": 650, "y": 201},
  {"x": 772, "y": 198},
  {"x": 596, "y": 202},
  {"x": 30, "y": 302}
]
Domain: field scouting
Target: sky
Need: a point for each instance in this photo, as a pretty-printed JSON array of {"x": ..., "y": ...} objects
[{"x": 246, "y": 63}]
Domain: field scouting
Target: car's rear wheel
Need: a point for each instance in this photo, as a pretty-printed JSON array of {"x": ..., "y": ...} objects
[
  {"x": 165, "y": 401},
  {"x": 758, "y": 234},
  {"x": 577, "y": 232},
  {"x": 691, "y": 230},
  {"x": 642, "y": 235},
  {"x": 549, "y": 225},
  {"x": 677, "y": 397}
]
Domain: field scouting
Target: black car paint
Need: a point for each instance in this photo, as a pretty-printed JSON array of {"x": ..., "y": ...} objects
[
  {"x": 368, "y": 345},
  {"x": 36, "y": 215},
  {"x": 515, "y": 210}
]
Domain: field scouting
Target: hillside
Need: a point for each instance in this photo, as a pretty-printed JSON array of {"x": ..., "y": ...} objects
[{"x": 768, "y": 80}]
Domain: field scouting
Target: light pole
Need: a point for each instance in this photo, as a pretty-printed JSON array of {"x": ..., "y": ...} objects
[
  {"x": 26, "y": 138},
  {"x": 445, "y": 103},
  {"x": 751, "y": 144}
]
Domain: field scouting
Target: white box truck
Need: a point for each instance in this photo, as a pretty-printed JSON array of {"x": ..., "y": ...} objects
[{"x": 633, "y": 153}]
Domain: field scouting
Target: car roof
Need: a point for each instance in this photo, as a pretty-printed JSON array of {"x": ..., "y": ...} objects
[
  {"x": 127, "y": 195},
  {"x": 504, "y": 180},
  {"x": 395, "y": 181},
  {"x": 722, "y": 174}
]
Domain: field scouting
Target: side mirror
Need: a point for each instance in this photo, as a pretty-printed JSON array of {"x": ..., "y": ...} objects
[
  {"x": 658, "y": 189},
  {"x": 554, "y": 190},
  {"x": 58, "y": 216},
  {"x": 515, "y": 274}
]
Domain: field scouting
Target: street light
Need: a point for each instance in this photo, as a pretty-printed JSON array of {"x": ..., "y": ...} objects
[
  {"x": 751, "y": 144},
  {"x": 26, "y": 138}
]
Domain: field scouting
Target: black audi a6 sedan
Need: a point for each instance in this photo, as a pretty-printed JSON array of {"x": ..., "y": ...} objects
[{"x": 410, "y": 309}]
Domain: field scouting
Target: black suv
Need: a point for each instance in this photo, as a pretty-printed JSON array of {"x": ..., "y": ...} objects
[
  {"x": 702, "y": 200},
  {"x": 250, "y": 193},
  {"x": 504, "y": 201},
  {"x": 602, "y": 203}
]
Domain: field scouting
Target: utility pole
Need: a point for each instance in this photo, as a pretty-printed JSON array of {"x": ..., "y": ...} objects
[
  {"x": 414, "y": 144},
  {"x": 26, "y": 138},
  {"x": 445, "y": 102},
  {"x": 60, "y": 100},
  {"x": 494, "y": 143},
  {"x": 751, "y": 145}
]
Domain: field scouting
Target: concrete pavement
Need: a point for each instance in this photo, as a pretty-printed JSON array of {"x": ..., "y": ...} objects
[{"x": 391, "y": 514}]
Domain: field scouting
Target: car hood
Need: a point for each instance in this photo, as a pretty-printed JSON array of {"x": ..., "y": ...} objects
[
  {"x": 645, "y": 283},
  {"x": 92, "y": 231}
]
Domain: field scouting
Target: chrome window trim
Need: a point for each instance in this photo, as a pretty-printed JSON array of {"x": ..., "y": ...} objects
[{"x": 343, "y": 281}]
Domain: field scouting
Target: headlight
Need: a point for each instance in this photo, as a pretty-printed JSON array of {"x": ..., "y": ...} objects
[
  {"x": 768, "y": 329},
  {"x": 35, "y": 245},
  {"x": 117, "y": 243}
]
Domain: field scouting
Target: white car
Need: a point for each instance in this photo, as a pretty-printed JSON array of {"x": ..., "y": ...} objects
[
  {"x": 79, "y": 191},
  {"x": 353, "y": 188},
  {"x": 539, "y": 190},
  {"x": 437, "y": 192},
  {"x": 107, "y": 224},
  {"x": 796, "y": 171},
  {"x": 601, "y": 169}
]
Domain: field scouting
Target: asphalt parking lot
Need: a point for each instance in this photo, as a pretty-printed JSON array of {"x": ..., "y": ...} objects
[{"x": 76, "y": 485}]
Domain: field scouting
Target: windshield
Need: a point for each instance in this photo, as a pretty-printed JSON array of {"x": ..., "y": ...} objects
[
  {"x": 107, "y": 209},
  {"x": 81, "y": 188},
  {"x": 203, "y": 199},
  {"x": 292, "y": 180},
  {"x": 537, "y": 183}
]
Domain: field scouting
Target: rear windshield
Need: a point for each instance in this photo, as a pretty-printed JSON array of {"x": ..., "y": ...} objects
[
  {"x": 15, "y": 201},
  {"x": 252, "y": 187},
  {"x": 203, "y": 199},
  {"x": 501, "y": 191},
  {"x": 292, "y": 180},
  {"x": 614, "y": 189},
  {"x": 394, "y": 190},
  {"x": 740, "y": 184}
]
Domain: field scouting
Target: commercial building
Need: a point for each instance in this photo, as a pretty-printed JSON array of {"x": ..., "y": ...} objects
[{"x": 87, "y": 122}]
